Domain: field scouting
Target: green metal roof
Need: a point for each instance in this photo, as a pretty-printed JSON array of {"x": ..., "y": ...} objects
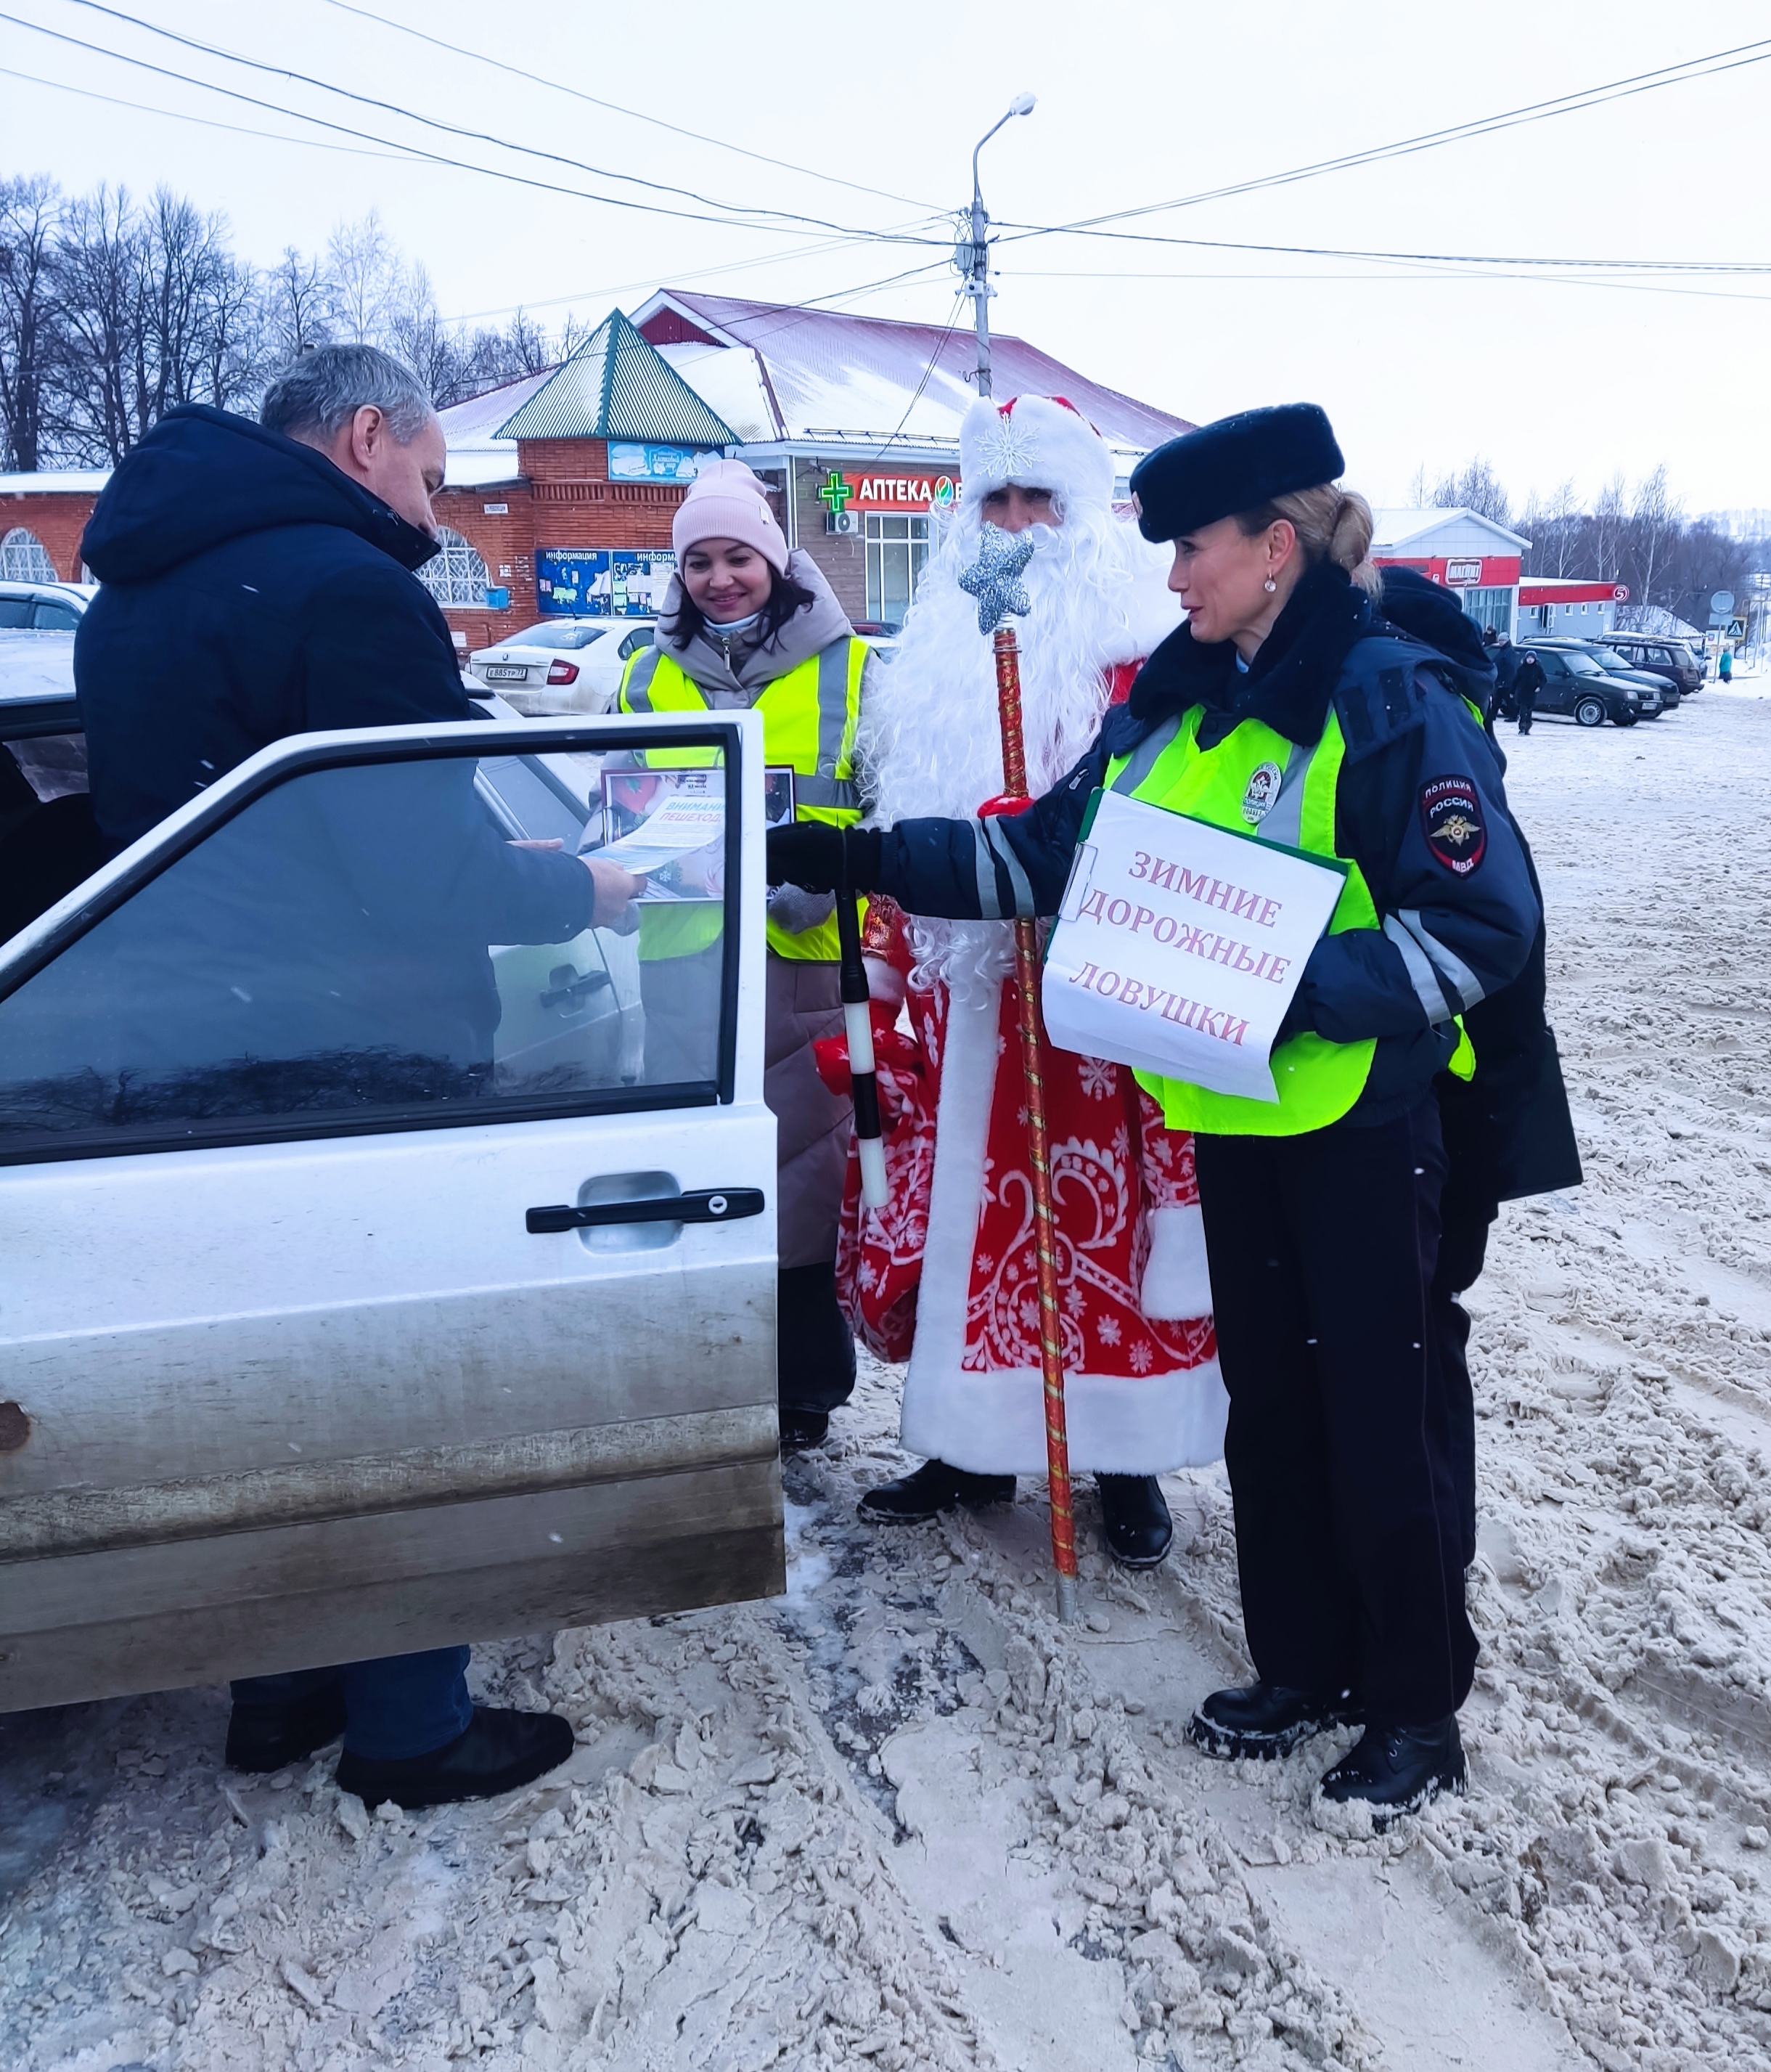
[{"x": 617, "y": 386}]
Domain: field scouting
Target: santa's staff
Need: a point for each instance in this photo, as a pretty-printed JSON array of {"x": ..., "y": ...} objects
[
  {"x": 994, "y": 579},
  {"x": 876, "y": 1191}
]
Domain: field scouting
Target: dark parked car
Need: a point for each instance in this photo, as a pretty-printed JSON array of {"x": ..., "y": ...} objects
[
  {"x": 1576, "y": 686},
  {"x": 1664, "y": 691},
  {"x": 1661, "y": 657}
]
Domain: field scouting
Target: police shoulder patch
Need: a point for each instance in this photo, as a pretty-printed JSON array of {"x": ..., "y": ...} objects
[{"x": 1450, "y": 819}]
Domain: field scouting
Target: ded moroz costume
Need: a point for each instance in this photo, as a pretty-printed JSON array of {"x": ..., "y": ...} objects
[{"x": 944, "y": 1277}]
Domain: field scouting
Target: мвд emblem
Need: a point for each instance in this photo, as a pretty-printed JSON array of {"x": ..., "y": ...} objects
[
  {"x": 1257, "y": 800},
  {"x": 1450, "y": 819}
]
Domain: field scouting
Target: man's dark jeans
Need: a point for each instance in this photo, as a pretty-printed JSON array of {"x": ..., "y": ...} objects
[{"x": 398, "y": 1706}]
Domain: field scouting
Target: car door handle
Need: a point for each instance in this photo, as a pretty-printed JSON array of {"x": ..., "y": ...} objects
[{"x": 709, "y": 1205}]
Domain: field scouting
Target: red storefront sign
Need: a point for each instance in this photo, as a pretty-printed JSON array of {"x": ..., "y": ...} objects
[
  {"x": 1460, "y": 571},
  {"x": 856, "y": 491}
]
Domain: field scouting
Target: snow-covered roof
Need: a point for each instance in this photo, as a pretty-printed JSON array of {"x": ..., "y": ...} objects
[
  {"x": 824, "y": 377},
  {"x": 53, "y": 481},
  {"x": 1392, "y": 530}
]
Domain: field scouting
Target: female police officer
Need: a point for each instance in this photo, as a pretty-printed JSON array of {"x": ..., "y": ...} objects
[{"x": 1322, "y": 1209}]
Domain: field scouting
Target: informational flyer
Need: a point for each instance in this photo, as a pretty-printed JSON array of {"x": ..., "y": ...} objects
[
  {"x": 1179, "y": 945},
  {"x": 668, "y": 827}
]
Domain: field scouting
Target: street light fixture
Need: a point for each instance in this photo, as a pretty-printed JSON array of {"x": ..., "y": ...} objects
[{"x": 973, "y": 257}]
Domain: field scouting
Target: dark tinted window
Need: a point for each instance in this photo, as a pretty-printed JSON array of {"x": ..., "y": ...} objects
[
  {"x": 48, "y": 617},
  {"x": 365, "y": 947},
  {"x": 14, "y": 611},
  {"x": 640, "y": 637}
]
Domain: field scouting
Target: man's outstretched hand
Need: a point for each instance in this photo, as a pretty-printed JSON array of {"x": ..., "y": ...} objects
[{"x": 820, "y": 858}]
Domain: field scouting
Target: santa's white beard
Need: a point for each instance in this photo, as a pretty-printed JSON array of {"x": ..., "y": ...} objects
[{"x": 930, "y": 744}]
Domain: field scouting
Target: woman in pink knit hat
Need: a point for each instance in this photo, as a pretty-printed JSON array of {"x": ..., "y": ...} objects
[{"x": 747, "y": 624}]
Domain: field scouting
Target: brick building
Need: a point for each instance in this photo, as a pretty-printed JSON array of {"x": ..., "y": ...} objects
[{"x": 562, "y": 486}]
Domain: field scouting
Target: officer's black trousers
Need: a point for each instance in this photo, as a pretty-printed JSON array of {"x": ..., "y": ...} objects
[
  {"x": 1322, "y": 1249},
  {"x": 1464, "y": 1222}
]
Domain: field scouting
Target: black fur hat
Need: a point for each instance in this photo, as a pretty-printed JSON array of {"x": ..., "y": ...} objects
[{"x": 1237, "y": 464}]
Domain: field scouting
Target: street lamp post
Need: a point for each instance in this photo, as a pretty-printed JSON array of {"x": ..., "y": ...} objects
[{"x": 973, "y": 257}]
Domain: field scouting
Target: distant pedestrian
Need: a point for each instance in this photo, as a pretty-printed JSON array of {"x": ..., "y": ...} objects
[
  {"x": 1724, "y": 666},
  {"x": 1528, "y": 681}
]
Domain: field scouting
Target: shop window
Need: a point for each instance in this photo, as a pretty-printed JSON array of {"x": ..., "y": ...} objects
[
  {"x": 897, "y": 549},
  {"x": 457, "y": 576},
  {"x": 1490, "y": 607},
  {"x": 23, "y": 558}
]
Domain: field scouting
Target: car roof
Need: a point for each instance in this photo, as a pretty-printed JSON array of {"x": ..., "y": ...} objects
[{"x": 85, "y": 592}]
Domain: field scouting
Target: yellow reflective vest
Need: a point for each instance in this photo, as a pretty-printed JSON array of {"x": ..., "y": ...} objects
[
  {"x": 1318, "y": 1081},
  {"x": 809, "y": 718}
]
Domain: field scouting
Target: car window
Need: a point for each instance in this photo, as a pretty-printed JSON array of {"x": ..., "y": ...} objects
[
  {"x": 14, "y": 611},
  {"x": 47, "y": 618},
  {"x": 1583, "y": 665},
  {"x": 361, "y": 948},
  {"x": 573, "y": 633},
  {"x": 640, "y": 637}
]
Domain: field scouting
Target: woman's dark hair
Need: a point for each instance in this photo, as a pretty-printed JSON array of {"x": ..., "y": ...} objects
[{"x": 786, "y": 597}]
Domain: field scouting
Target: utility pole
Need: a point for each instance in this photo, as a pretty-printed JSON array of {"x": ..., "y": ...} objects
[{"x": 971, "y": 255}]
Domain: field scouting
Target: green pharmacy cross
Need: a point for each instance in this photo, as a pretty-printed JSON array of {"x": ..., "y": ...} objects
[{"x": 837, "y": 492}]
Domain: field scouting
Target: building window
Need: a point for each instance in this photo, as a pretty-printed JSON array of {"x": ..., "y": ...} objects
[
  {"x": 1490, "y": 607},
  {"x": 457, "y": 576},
  {"x": 23, "y": 558},
  {"x": 897, "y": 549}
]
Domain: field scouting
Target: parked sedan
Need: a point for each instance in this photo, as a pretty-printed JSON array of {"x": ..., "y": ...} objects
[
  {"x": 1574, "y": 685},
  {"x": 44, "y": 607},
  {"x": 1660, "y": 694},
  {"x": 562, "y": 665}
]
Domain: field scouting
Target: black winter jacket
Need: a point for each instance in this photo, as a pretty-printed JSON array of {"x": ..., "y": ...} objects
[
  {"x": 1453, "y": 930},
  {"x": 252, "y": 590}
]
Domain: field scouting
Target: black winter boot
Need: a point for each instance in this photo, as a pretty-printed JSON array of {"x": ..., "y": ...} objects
[
  {"x": 1267, "y": 1720},
  {"x": 801, "y": 1427},
  {"x": 934, "y": 1488},
  {"x": 1399, "y": 1769},
  {"x": 1135, "y": 1520},
  {"x": 499, "y": 1751},
  {"x": 263, "y": 1737}
]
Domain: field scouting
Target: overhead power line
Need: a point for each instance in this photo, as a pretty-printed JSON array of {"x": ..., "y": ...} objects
[
  {"x": 417, "y": 154},
  {"x": 621, "y": 107},
  {"x": 1448, "y": 258},
  {"x": 1539, "y": 111},
  {"x": 740, "y": 210}
]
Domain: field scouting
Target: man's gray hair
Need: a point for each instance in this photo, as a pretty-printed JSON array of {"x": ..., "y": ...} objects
[{"x": 323, "y": 390}]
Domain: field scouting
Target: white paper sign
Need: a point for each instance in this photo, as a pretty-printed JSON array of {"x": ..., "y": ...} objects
[{"x": 1178, "y": 947}]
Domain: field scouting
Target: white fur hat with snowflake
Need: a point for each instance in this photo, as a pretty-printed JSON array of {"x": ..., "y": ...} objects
[{"x": 1033, "y": 443}]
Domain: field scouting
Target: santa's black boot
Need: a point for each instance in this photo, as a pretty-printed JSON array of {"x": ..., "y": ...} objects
[
  {"x": 1267, "y": 1720},
  {"x": 934, "y": 1488},
  {"x": 1135, "y": 1520}
]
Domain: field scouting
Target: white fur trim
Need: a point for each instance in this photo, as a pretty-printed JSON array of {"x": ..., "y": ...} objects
[
  {"x": 995, "y": 1424},
  {"x": 1177, "y": 1280},
  {"x": 1035, "y": 444}
]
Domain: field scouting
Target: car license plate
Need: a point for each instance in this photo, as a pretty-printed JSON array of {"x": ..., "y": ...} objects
[{"x": 495, "y": 675}]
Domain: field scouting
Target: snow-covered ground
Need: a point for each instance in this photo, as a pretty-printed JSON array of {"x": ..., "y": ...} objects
[{"x": 902, "y": 1819}]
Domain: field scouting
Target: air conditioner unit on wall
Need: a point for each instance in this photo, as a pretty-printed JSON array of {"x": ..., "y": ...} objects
[{"x": 846, "y": 523}]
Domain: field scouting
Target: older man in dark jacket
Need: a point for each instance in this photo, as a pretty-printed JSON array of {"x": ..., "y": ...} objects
[{"x": 257, "y": 581}]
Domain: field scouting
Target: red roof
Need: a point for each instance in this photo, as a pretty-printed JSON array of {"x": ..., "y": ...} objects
[
  {"x": 1556, "y": 589},
  {"x": 832, "y": 374}
]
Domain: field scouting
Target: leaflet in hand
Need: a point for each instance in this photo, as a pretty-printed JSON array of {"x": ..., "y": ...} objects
[{"x": 1179, "y": 945}]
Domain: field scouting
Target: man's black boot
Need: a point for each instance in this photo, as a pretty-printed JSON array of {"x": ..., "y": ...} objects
[
  {"x": 262, "y": 1737},
  {"x": 499, "y": 1751},
  {"x": 1267, "y": 1720},
  {"x": 1135, "y": 1519},
  {"x": 934, "y": 1488},
  {"x": 1399, "y": 1769},
  {"x": 803, "y": 1428}
]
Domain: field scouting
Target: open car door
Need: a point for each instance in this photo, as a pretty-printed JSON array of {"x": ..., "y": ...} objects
[{"x": 371, "y": 1281}]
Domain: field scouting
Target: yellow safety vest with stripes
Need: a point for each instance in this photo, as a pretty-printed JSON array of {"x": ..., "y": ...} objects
[
  {"x": 809, "y": 718},
  {"x": 1318, "y": 1081}
]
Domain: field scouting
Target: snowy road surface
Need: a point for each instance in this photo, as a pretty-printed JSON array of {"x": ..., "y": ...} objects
[{"x": 901, "y": 1820}]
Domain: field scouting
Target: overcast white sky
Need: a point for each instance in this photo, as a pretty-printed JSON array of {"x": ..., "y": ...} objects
[{"x": 1139, "y": 104}]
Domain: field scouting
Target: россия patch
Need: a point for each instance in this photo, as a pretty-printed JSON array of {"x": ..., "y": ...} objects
[{"x": 1451, "y": 818}]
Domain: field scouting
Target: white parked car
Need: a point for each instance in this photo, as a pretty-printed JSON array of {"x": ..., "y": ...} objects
[
  {"x": 339, "y": 1325},
  {"x": 562, "y": 665},
  {"x": 38, "y": 622}
]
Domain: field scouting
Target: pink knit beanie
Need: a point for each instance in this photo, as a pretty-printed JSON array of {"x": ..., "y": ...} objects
[{"x": 727, "y": 502}]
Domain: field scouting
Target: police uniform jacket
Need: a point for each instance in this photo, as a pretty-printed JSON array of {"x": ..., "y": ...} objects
[{"x": 1421, "y": 808}]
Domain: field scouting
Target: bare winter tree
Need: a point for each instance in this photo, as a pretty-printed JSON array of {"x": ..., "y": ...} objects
[
  {"x": 96, "y": 273},
  {"x": 30, "y": 213},
  {"x": 1605, "y": 537},
  {"x": 365, "y": 271},
  {"x": 297, "y": 307},
  {"x": 1475, "y": 487}
]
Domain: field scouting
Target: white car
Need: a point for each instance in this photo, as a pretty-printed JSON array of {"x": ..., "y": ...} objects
[
  {"x": 337, "y": 1324},
  {"x": 38, "y": 622},
  {"x": 562, "y": 665}
]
